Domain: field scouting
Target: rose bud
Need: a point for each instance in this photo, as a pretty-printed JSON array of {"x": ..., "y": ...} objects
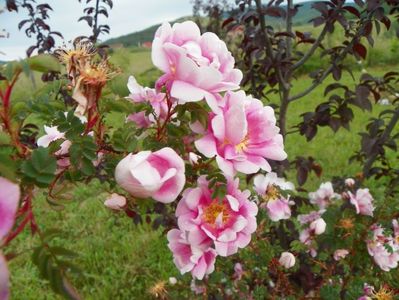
[
  {"x": 287, "y": 260},
  {"x": 318, "y": 226},
  {"x": 160, "y": 175}
]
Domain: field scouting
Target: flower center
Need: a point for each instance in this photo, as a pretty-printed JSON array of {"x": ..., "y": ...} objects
[
  {"x": 272, "y": 193},
  {"x": 216, "y": 213},
  {"x": 242, "y": 145}
]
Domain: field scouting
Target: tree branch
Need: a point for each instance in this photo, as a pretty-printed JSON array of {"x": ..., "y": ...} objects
[{"x": 309, "y": 54}]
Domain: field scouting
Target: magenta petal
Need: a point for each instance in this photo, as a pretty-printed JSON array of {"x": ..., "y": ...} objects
[{"x": 9, "y": 198}]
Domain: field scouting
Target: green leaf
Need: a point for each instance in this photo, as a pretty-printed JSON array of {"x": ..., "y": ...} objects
[
  {"x": 40, "y": 169},
  {"x": 44, "y": 63}
]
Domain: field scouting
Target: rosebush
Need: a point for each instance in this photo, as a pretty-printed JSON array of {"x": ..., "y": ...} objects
[{"x": 198, "y": 146}]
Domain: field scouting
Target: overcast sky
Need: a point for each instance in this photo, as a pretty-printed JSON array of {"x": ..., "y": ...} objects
[{"x": 127, "y": 16}]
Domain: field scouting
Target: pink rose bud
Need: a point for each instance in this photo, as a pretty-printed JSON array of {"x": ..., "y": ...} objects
[
  {"x": 160, "y": 175},
  {"x": 193, "y": 158},
  {"x": 340, "y": 254},
  {"x": 172, "y": 280},
  {"x": 349, "y": 182},
  {"x": 318, "y": 226},
  {"x": 115, "y": 202},
  {"x": 287, "y": 260}
]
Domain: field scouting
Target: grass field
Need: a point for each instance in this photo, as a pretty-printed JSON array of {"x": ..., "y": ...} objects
[{"x": 121, "y": 260}]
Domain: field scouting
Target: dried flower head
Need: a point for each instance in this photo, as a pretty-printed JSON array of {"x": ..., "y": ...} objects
[
  {"x": 77, "y": 57},
  {"x": 346, "y": 223},
  {"x": 97, "y": 74},
  {"x": 159, "y": 290},
  {"x": 384, "y": 293}
]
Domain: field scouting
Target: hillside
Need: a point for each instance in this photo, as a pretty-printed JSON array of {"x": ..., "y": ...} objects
[{"x": 304, "y": 15}]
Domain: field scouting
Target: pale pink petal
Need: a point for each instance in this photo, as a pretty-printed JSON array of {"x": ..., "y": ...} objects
[{"x": 9, "y": 199}]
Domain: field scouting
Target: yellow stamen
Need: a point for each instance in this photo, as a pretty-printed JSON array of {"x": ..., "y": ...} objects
[
  {"x": 213, "y": 211},
  {"x": 384, "y": 293},
  {"x": 242, "y": 145}
]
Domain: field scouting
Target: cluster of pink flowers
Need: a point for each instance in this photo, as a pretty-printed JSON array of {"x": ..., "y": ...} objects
[
  {"x": 9, "y": 199},
  {"x": 241, "y": 135},
  {"x": 315, "y": 226},
  {"x": 384, "y": 248},
  {"x": 209, "y": 227}
]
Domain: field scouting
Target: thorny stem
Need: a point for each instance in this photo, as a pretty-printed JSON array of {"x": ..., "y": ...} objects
[{"x": 161, "y": 128}]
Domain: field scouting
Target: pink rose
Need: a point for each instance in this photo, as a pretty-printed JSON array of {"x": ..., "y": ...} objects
[
  {"x": 9, "y": 199},
  {"x": 340, "y": 254},
  {"x": 377, "y": 248},
  {"x": 268, "y": 187},
  {"x": 160, "y": 175},
  {"x": 318, "y": 226},
  {"x": 115, "y": 202},
  {"x": 196, "y": 66},
  {"x": 287, "y": 260},
  {"x": 323, "y": 196},
  {"x": 144, "y": 94},
  {"x": 198, "y": 259},
  {"x": 362, "y": 202},
  {"x": 228, "y": 223},
  {"x": 52, "y": 134},
  {"x": 242, "y": 136}
]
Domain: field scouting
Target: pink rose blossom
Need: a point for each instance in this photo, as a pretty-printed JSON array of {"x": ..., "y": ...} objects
[
  {"x": 287, "y": 260},
  {"x": 157, "y": 101},
  {"x": 277, "y": 206},
  {"x": 198, "y": 259},
  {"x": 9, "y": 199},
  {"x": 310, "y": 217},
  {"x": 242, "y": 136},
  {"x": 52, "y": 134},
  {"x": 227, "y": 222},
  {"x": 277, "y": 209},
  {"x": 115, "y": 202},
  {"x": 318, "y": 226},
  {"x": 349, "y": 182},
  {"x": 238, "y": 271},
  {"x": 160, "y": 175},
  {"x": 378, "y": 248},
  {"x": 362, "y": 202},
  {"x": 340, "y": 254},
  {"x": 196, "y": 66},
  {"x": 323, "y": 196}
]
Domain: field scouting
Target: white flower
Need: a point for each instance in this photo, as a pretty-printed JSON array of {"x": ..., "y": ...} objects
[
  {"x": 318, "y": 226},
  {"x": 287, "y": 260}
]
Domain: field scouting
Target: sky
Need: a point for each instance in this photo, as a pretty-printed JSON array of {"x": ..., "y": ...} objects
[{"x": 127, "y": 16}]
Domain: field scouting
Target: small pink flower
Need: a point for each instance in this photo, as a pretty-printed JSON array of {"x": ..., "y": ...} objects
[
  {"x": 318, "y": 226},
  {"x": 323, "y": 196},
  {"x": 63, "y": 162},
  {"x": 378, "y": 248},
  {"x": 140, "y": 94},
  {"x": 349, "y": 182},
  {"x": 340, "y": 254},
  {"x": 277, "y": 206},
  {"x": 287, "y": 260},
  {"x": 277, "y": 209},
  {"x": 115, "y": 202},
  {"x": 9, "y": 199},
  {"x": 362, "y": 202},
  {"x": 52, "y": 134},
  {"x": 193, "y": 158},
  {"x": 242, "y": 136},
  {"x": 228, "y": 223},
  {"x": 238, "y": 271},
  {"x": 160, "y": 175},
  {"x": 196, "y": 66},
  {"x": 310, "y": 217},
  {"x": 198, "y": 259}
]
